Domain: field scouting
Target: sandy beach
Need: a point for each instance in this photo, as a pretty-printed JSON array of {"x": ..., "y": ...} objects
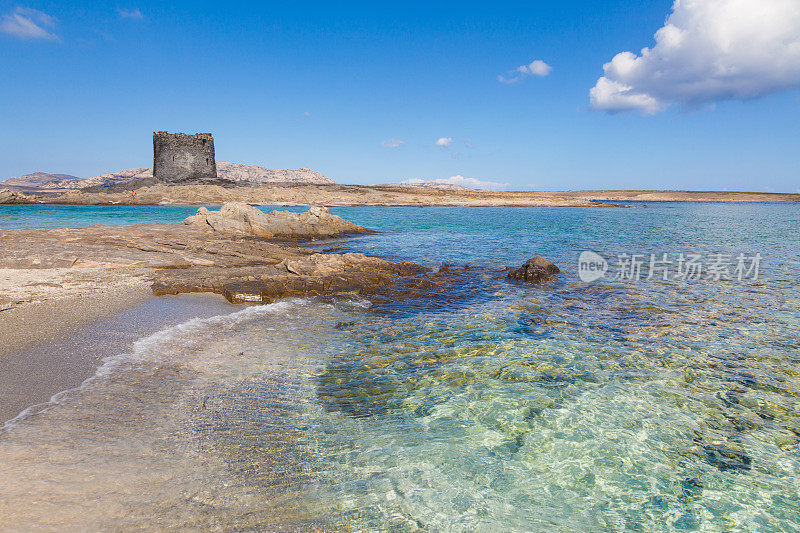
[
  {"x": 44, "y": 304},
  {"x": 57, "y": 324},
  {"x": 60, "y": 342}
]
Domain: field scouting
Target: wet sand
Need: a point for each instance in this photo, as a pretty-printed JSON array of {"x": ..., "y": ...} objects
[
  {"x": 61, "y": 357},
  {"x": 200, "y": 426},
  {"x": 43, "y": 309}
]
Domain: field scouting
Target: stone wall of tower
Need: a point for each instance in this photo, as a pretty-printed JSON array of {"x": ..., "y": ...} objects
[{"x": 179, "y": 158}]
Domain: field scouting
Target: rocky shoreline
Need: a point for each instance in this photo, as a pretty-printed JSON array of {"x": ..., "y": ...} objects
[
  {"x": 286, "y": 194},
  {"x": 238, "y": 252},
  {"x": 58, "y": 285},
  {"x": 67, "y": 274}
]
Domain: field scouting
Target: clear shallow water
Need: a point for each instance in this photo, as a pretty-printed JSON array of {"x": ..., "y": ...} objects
[
  {"x": 618, "y": 405},
  {"x": 80, "y": 216}
]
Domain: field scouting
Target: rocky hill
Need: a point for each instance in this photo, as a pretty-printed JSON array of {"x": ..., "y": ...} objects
[
  {"x": 105, "y": 180},
  {"x": 258, "y": 175},
  {"x": 232, "y": 172},
  {"x": 37, "y": 180}
]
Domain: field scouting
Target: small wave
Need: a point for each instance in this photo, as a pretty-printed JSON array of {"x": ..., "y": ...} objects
[
  {"x": 180, "y": 336},
  {"x": 356, "y": 302}
]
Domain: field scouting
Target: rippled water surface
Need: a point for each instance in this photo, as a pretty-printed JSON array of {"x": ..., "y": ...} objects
[{"x": 611, "y": 406}]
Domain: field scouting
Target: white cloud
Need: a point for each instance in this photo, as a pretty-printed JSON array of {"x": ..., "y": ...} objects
[
  {"x": 472, "y": 183},
  {"x": 27, "y": 23},
  {"x": 535, "y": 68},
  {"x": 130, "y": 13},
  {"x": 393, "y": 143},
  {"x": 707, "y": 51},
  {"x": 444, "y": 142}
]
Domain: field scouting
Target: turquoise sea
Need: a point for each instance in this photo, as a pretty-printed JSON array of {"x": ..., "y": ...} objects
[{"x": 624, "y": 404}]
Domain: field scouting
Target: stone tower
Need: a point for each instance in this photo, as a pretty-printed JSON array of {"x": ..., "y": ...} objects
[{"x": 179, "y": 158}]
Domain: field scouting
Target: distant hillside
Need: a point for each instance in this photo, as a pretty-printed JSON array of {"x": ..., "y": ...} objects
[
  {"x": 235, "y": 172},
  {"x": 37, "y": 180},
  {"x": 257, "y": 175},
  {"x": 106, "y": 180},
  {"x": 432, "y": 184}
]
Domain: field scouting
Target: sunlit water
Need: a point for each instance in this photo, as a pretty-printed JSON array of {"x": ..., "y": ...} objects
[{"x": 616, "y": 405}]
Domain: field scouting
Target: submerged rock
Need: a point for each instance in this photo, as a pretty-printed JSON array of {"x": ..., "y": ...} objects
[
  {"x": 534, "y": 270},
  {"x": 242, "y": 219},
  {"x": 726, "y": 458}
]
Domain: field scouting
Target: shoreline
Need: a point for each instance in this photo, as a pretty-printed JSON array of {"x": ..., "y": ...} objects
[
  {"x": 60, "y": 360},
  {"x": 39, "y": 333},
  {"x": 25, "y": 323},
  {"x": 162, "y": 429},
  {"x": 56, "y": 283},
  {"x": 372, "y": 195}
]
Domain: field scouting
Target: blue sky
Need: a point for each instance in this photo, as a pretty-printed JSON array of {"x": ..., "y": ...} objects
[{"x": 333, "y": 88}]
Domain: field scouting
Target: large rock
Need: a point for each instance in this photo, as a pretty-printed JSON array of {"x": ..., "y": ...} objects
[
  {"x": 238, "y": 218},
  {"x": 12, "y": 197},
  {"x": 534, "y": 270},
  {"x": 309, "y": 275},
  {"x": 180, "y": 258}
]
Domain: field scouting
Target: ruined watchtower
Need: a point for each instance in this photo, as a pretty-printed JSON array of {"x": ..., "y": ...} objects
[{"x": 178, "y": 157}]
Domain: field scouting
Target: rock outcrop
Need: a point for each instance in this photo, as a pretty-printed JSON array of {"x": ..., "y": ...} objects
[
  {"x": 534, "y": 270},
  {"x": 296, "y": 275},
  {"x": 8, "y": 196},
  {"x": 236, "y": 218},
  {"x": 178, "y": 258}
]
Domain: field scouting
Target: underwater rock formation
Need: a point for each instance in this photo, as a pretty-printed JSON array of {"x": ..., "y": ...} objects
[{"x": 534, "y": 270}]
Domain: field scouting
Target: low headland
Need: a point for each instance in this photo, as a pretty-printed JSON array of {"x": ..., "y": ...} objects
[
  {"x": 257, "y": 185},
  {"x": 299, "y": 194}
]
